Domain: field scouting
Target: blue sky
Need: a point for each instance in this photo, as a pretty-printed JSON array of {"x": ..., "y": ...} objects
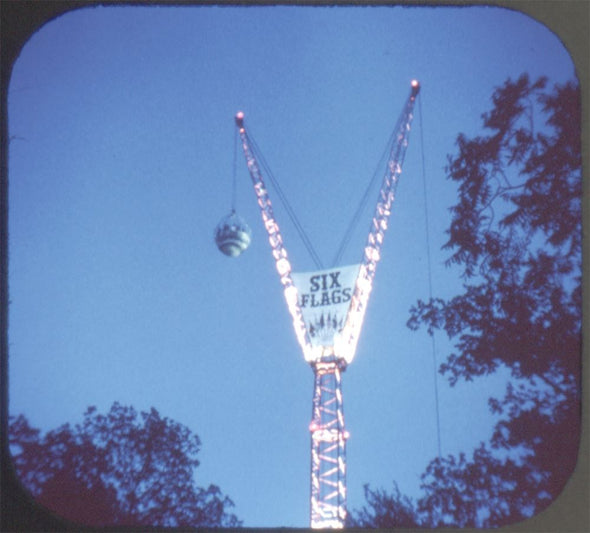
[{"x": 122, "y": 136}]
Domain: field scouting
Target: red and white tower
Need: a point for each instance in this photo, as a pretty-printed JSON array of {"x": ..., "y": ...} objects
[{"x": 327, "y": 308}]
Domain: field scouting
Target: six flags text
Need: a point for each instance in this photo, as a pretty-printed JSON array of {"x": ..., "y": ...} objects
[{"x": 332, "y": 291}]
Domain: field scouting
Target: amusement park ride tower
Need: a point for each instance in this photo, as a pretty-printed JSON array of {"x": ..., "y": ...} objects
[{"x": 327, "y": 308}]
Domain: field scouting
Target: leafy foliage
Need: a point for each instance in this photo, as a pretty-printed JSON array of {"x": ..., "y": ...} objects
[
  {"x": 385, "y": 510},
  {"x": 482, "y": 492},
  {"x": 515, "y": 233},
  {"x": 118, "y": 469}
]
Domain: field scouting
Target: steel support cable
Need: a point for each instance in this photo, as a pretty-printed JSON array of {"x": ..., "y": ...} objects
[
  {"x": 397, "y": 156},
  {"x": 387, "y": 155},
  {"x": 283, "y": 199},
  {"x": 290, "y": 211},
  {"x": 428, "y": 259},
  {"x": 235, "y": 166},
  {"x": 364, "y": 199}
]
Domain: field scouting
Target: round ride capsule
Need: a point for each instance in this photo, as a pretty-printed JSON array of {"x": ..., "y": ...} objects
[{"x": 232, "y": 235}]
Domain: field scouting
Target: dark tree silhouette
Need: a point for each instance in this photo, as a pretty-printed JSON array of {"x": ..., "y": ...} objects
[
  {"x": 385, "y": 510},
  {"x": 515, "y": 233},
  {"x": 122, "y": 468}
]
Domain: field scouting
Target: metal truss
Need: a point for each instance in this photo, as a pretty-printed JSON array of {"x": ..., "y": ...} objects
[
  {"x": 328, "y": 447},
  {"x": 346, "y": 344},
  {"x": 275, "y": 239},
  {"x": 328, "y": 435}
]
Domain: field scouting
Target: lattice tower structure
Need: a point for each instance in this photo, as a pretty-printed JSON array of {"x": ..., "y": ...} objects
[{"x": 327, "y": 429}]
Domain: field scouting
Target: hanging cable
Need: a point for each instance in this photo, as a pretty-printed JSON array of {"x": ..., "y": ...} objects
[
  {"x": 434, "y": 362},
  {"x": 235, "y": 166},
  {"x": 363, "y": 201},
  {"x": 302, "y": 234}
]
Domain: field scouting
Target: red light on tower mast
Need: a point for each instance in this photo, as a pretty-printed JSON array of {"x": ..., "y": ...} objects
[{"x": 240, "y": 119}]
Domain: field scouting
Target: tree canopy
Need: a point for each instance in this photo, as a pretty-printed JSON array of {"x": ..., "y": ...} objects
[
  {"x": 515, "y": 235},
  {"x": 122, "y": 468}
]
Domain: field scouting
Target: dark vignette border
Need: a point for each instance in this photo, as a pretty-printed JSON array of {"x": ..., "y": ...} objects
[{"x": 19, "y": 20}]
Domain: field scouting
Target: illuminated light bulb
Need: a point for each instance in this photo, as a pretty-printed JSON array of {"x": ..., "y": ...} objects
[
  {"x": 375, "y": 256},
  {"x": 280, "y": 255},
  {"x": 271, "y": 227},
  {"x": 291, "y": 295},
  {"x": 283, "y": 265},
  {"x": 362, "y": 273},
  {"x": 240, "y": 120},
  {"x": 274, "y": 240},
  {"x": 317, "y": 353}
]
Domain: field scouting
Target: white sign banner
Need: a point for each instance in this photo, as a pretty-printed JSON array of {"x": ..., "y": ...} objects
[{"x": 324, "y": 299}]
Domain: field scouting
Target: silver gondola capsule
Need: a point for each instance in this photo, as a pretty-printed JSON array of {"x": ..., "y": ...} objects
[{"x": 232, "y": 235}]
